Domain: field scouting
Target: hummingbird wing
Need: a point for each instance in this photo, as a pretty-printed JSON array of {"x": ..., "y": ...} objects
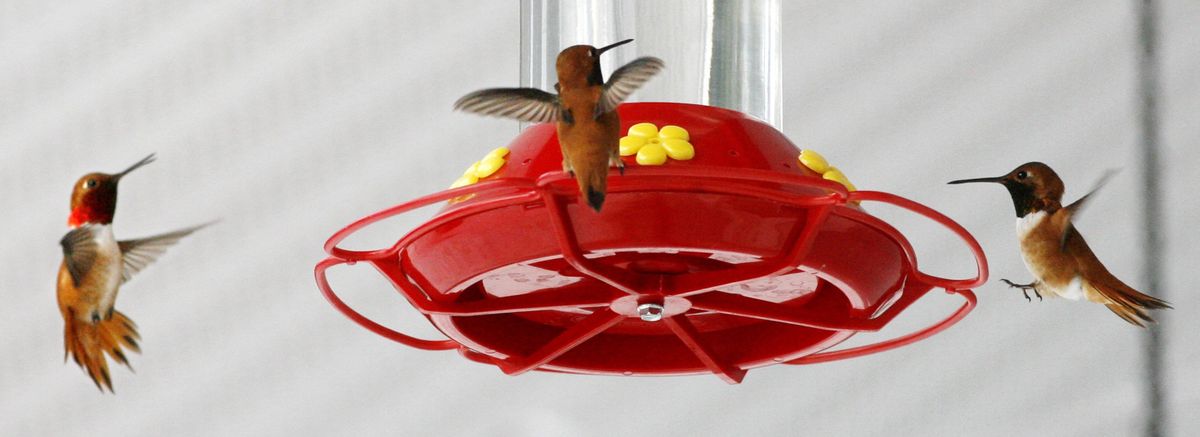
[
  {"x": 1070, "y": 211},
  {"x": 625, "y": 81},
  {"x": 525, "y": 104},
  {"x": 79, "y": 252},
  {"x": 139, "y": 253}
]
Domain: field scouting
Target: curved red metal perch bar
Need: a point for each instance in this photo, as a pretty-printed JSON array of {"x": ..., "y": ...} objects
[
  {"x": 855, "y": 352},
  {"x": 361, "y": 320}
]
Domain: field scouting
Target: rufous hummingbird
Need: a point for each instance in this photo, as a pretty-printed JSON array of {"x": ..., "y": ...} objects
[
  {"x": 584, "y": 109},
  {"x": 94, "y": 267},
  {"x": 1055, "y": 252}
]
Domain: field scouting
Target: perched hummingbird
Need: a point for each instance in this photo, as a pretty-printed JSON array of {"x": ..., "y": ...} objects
[
  {"x": 584, "y": 108},
  {"x": 94, "y": 267},
  {"x": 1056, "y": 254}
]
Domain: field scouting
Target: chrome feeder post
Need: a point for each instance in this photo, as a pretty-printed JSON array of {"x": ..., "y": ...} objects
[{"x": 723, "y": 53}]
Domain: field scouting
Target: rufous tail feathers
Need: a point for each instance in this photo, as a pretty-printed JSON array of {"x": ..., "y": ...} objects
[
  {"x": 593, "y": 180},
  {"x": 1127, "y": 303},
  {"x": 87, "y": 343}
]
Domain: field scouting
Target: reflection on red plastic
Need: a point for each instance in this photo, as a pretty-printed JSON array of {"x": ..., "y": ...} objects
[{"x": 727, "y": 245}]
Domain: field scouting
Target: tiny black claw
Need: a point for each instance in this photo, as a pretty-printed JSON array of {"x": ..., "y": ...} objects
[{"x": 1026, "y": 293}]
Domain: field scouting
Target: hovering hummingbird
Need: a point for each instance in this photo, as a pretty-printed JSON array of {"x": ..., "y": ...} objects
[
  {"x": 584, "y": 109},
  {"x": 1054, "y": 251},
  {"x": 94, "y": 267}
]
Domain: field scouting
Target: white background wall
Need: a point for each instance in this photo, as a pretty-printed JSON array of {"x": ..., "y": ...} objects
[{"x": 289, "y": 120}]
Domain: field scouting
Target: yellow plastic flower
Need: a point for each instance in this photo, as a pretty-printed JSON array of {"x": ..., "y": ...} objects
[
  {"x": 817, "y": 163},
  {"x": 482, "y": 168},
  {"x": 814, "y": 161},
  {"x": 653, "y": 145}
]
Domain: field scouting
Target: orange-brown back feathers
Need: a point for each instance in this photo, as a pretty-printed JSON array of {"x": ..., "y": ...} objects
[{"x": 589, "y": 144}]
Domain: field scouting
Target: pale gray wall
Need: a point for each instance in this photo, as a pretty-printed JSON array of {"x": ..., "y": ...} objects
[{"x": 288, "y": 121}]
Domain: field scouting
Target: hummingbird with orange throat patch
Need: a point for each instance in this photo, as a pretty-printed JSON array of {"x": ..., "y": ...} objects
[
  {"x": 1055, "y": 252},
  {"x": 95, "y": 265},
  {"x": 584, "y": 110}
]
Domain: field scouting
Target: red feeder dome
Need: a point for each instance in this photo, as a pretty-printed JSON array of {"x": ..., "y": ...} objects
[{"x": 735, "y": 259}]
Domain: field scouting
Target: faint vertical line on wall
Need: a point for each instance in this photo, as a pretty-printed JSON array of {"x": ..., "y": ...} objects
[{"x": 1152, "y": 224}]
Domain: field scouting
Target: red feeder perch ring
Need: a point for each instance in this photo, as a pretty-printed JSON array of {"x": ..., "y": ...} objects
[{"x": 735, "y": 259}]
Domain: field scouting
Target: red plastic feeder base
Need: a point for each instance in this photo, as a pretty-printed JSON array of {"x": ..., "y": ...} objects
[{"x": 735, "y": 259}]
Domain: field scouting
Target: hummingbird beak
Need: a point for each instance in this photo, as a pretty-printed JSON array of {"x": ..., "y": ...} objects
[
  {"x": 139, "y": 164},
  {"x": 997, "y": 180},
  {"x": 601, "y": 50}
]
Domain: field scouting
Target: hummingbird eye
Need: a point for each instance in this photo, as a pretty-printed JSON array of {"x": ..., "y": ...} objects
[
  {"x": 1022, "y": 175},
  {"x": 90, "y": 183}
]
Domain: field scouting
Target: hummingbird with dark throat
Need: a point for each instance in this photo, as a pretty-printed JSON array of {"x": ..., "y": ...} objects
[
  {"x": 1055, "y": 252},
  {"x": 95, "y": 265},
  {"x": 584, "y": 110}
]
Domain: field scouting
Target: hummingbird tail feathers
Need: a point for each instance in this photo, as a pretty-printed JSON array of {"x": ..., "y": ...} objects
[
  {"x": 593, "y": 182},
  {"x": 595, "y": 199},
  {"x": 88, "y": 343},
  {"x": 1127, "y": 303}
]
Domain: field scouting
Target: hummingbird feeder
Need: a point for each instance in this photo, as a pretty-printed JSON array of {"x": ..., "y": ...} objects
[
  {"x": 735, "y": 256},
  {"x": 720, "y": 249}
]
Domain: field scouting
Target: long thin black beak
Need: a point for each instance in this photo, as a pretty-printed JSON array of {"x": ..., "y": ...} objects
[
  {"x": 605, "y": 48},
  {"x": 148, "y": 159},
  {"x": 997, "y": 180}
]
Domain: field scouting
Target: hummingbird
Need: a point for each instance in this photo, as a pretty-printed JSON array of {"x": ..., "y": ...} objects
[
  {"x": 1055, "y": 252},
  {"x": 584, "y": 109},
  {"x": 95, "y": 265}
]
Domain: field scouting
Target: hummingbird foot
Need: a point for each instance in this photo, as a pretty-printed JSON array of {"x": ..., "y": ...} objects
[
  {"x": 615, "y": 159},
  {"x": 1025, "y": 289}
]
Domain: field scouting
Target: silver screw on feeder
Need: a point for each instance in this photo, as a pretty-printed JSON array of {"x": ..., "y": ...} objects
[{"x": 650, "y": 312}]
